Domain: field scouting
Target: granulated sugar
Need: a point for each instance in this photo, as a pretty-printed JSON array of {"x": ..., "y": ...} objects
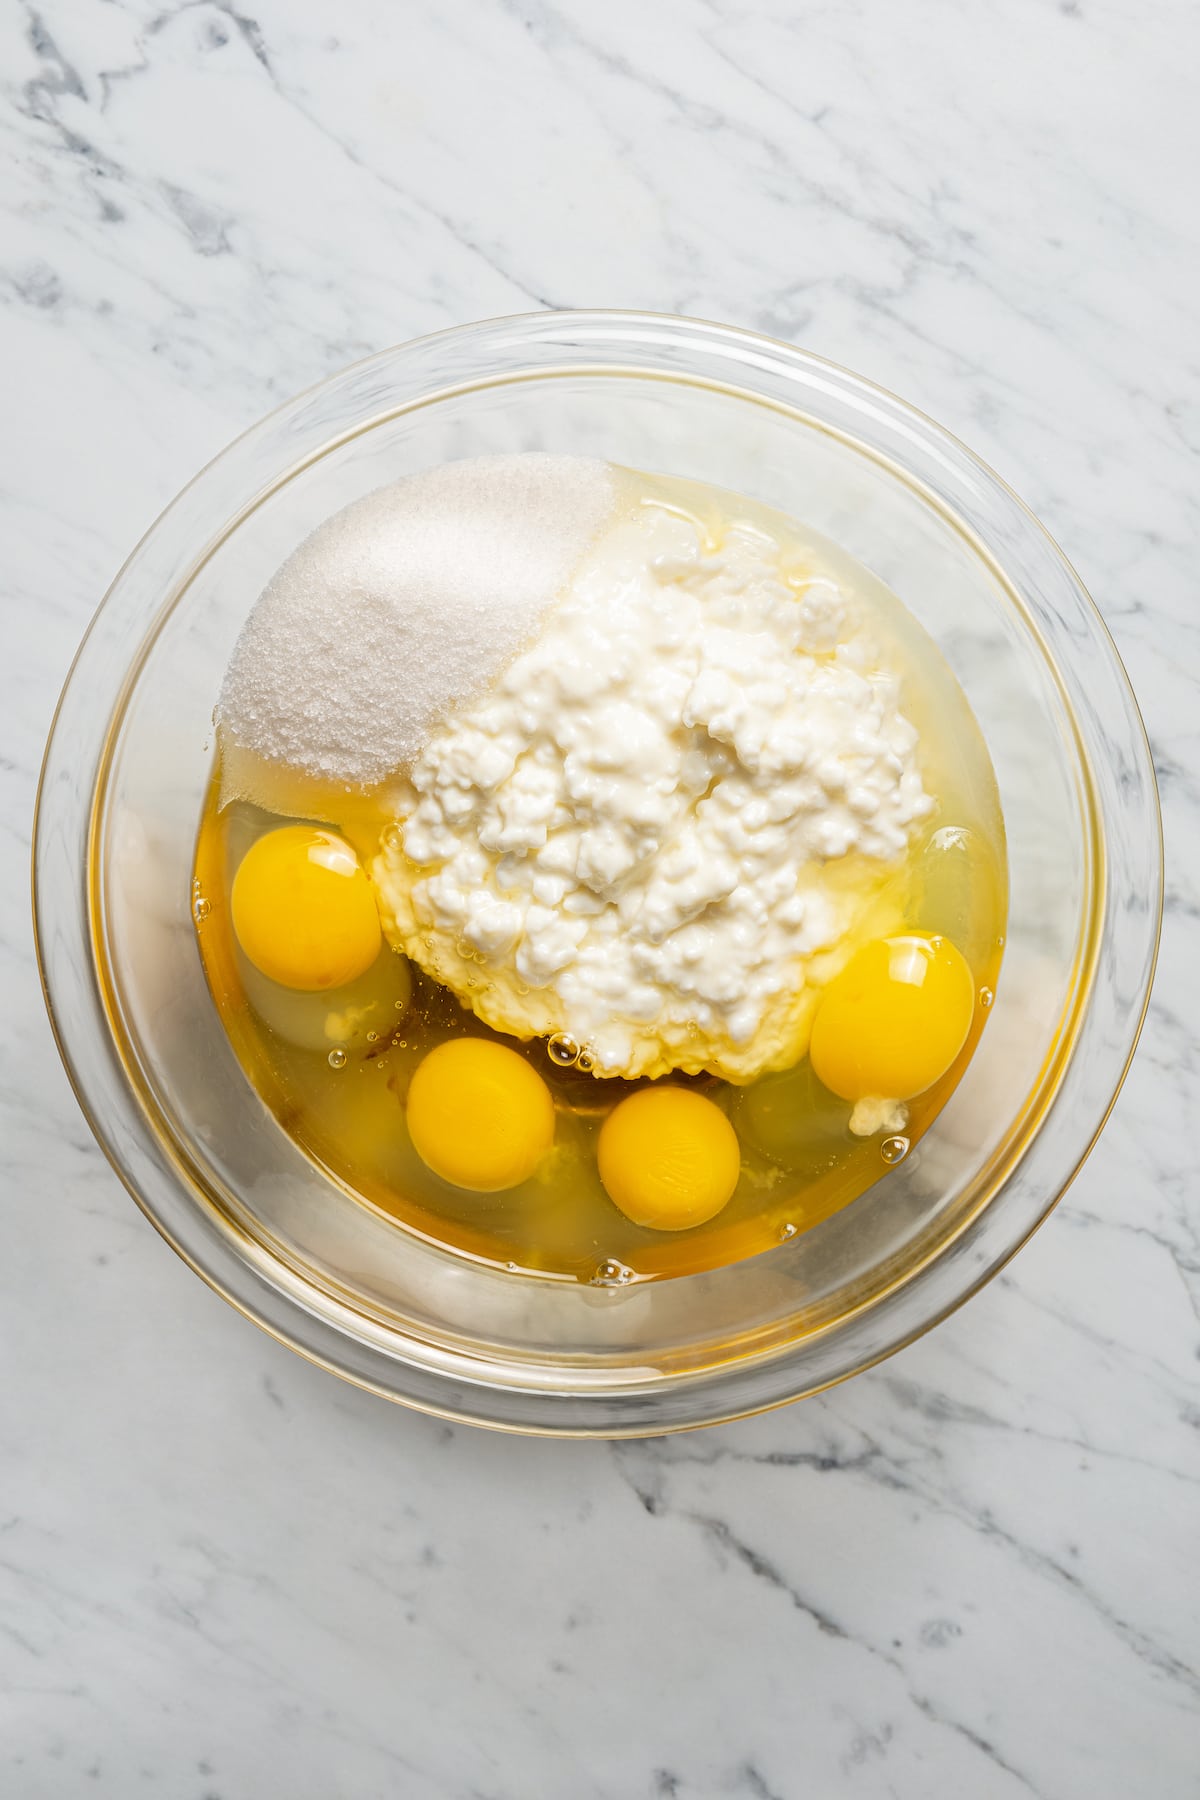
[{"x": 404, "y": 604}]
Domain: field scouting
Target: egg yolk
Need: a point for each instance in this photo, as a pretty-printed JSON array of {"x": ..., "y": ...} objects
[
  {"x": 894, "y": 1020},
  {"x": 479, "y": 1116},
  {"x": 668, "y": 1158},
  {"x": 303, "y": 909}
]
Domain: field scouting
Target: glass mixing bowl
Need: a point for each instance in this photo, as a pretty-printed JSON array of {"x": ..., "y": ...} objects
[{"x": 129, "y": 758}]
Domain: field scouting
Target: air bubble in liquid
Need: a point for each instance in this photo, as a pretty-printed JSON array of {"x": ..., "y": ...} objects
[
  {"x": 986, "y": 996},
  {"x": 372, "y": 1037},
  {"x": 337, "y": 1059},
  {"x": 787, "y": 1231},
  {"x": 894, "y": 1149},
  {"x": 511, "y": 1267},
  {"x": 563, "y": 1050},
  {"x": 612, "y": 1273},
  {"x": 393, "y": 838},
  {"x": 200, "y": 909},
  {"x": 585, "y": 1061}
]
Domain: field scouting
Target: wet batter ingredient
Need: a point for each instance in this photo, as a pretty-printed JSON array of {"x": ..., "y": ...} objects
[{"x": 705, "y": 805}]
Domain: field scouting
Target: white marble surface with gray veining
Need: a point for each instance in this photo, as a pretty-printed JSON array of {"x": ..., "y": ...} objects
[{"x": 970, "y": 1572}]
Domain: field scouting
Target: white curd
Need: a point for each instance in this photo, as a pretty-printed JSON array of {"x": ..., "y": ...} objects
[{"x": 672, "y": 816}]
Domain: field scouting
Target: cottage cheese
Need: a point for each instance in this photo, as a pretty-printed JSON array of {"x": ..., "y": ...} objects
[{"x": 671, "y": 818}]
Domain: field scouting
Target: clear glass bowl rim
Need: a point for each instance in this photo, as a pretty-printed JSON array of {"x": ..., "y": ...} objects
[{"x": 63, "y": 925}]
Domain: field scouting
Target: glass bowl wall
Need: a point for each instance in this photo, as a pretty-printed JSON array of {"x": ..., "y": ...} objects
[{"x": 130, "y": 756}]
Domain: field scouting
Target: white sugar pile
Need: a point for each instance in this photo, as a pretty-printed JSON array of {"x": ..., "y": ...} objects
[{"x": 403, "y": 605}]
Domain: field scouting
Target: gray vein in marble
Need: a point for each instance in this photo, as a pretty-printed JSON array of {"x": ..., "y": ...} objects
[{"x": 720, "y": 1535}]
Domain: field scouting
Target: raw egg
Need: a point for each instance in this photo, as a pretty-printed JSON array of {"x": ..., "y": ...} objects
[
  {"x": 668, "y": 1158},
  {"x": 894, "y": 1020},
  {"x": 794, "y": 1119},
  {"x": 479, "y": 1116},
  {"x": 364, "y": 1011},
  {"x": 303, "y": 909},
  {"x": 958, "y": 893}
]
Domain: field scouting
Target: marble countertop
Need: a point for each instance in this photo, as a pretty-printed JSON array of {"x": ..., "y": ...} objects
[{"x": 224, "y": 1575}]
